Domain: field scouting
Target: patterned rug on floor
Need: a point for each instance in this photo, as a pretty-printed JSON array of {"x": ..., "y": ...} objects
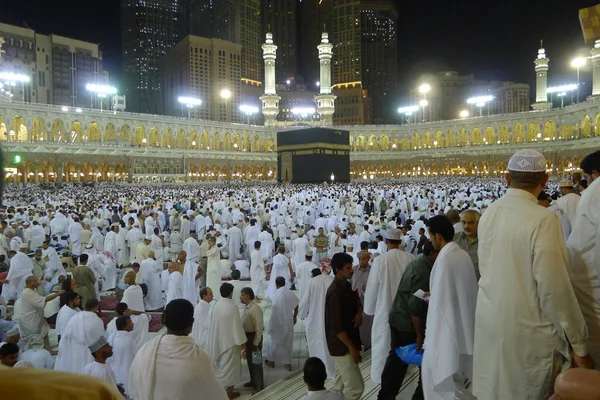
[{"x": 108, "y": 305}]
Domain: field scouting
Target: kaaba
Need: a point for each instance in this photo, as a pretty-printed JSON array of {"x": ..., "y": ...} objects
[{"x": 312, "y": 155}]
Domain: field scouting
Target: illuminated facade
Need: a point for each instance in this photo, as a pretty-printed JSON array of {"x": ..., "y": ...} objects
[{"x": 56, "y": 145}]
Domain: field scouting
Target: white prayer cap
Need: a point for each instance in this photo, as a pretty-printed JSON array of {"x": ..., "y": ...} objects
[
  {"x": 98, "y": 344},
  {"x": 136, "y": 224},
  {"x": 89, "y": 246},
  {"x": 23, "y": 246},
  {"x": 309, "y": 253},
  {"x": 395, "y": 234},
  {"x": 527, "y": 161},
  {"x": 565, "y": 183}
]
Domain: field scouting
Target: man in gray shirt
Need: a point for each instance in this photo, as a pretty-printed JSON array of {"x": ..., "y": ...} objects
[{"x": 467, "y": 240}]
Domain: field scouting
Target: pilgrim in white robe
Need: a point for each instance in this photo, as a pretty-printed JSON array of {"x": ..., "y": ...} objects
[
  {"x": 20, "y": 268},
  {"x": 235, "y": 242},
  {"x": 101, "y": 371},
  {"x": 64, "y": 316},
  {"x": 122, "y": 358},
  {"x": 122, "y": 252},
  {"x": 299, "y": 247},
  {"x": 110, "y": 269},
  {"x": 151, "y": 270},
  {"x": 312, "y": 310},
  {"x": 519, "y": 241},
  {"x": 267, "y": 246},
  {"x": 244, "y": 267},
  {"x": 39, "y": 357},
  {"x": 173, "y": 367},
  {"x": 54, "y": 268},
  {"x": 110, "y": 243},
  {"x": 75, "y": 238},
  {"x": 382, "y": 285},
  {"x": 200, "y": 314},
  {"x": 303, "y": 276},
  {"x": 134, "y": 298},
  {"x": 281, "y": 326},
  {"x": 190, "y": 284},
  {"x": 449, "y": 339},
  {"x": 213, "y": 273},
  {"x": 281, "y": 267},
  {"x": 175, "y": 288},
  {"x": 82, "y": 330},
  {"x": 584, "y": 249},
  {"x": 257, "y": 272},
  {"x": 31, "y": 318},
  {"x": 156, "y": 246},
  {"x": 223, "y": 338},
  {"x": 134, "y": 238}
]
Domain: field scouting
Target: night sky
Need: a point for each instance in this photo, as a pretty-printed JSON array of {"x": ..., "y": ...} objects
[{"x": 494, "y": 39}]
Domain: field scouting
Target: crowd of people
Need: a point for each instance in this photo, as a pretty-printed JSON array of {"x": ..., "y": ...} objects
[{"x": 495, "y": 282}]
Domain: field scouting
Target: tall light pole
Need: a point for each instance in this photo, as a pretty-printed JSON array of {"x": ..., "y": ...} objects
[
  {"x": 424, "y": 89},
  {"x": 225, "y": 94},
  {"x": 101, "y": 91},
  {"x": 480, "y": 101},
  {"x": 578, "y": 63},
  {"x": 408, "y": 111},
  {"x": 248, "y": 110},
  {"x": 189, "y": 102}
]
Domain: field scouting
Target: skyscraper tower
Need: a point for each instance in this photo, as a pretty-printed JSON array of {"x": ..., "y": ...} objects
[
  {"x": 270, "y": 100},
  {"x": 280, "y": 17},
  {"x": 325, "y": 99},
  {"x": 595, "y": 57},
  {"x": 200, "y": 18},
  {"x": 541, "y": 80},
  {"x": 148, "y": 30}
]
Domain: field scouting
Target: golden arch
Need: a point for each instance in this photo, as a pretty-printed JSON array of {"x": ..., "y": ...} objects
[
  {"x": 549, "y": 132},
  {"x": 427, "y": 140},
  {"x": 373, "y": 145},
  {"x": 57, "y": 132},
  {"x": 93, "y": 133},
  {"x": 503, "y": 136},
  {"x": 204, "y": 142},
  {"x": 518, "y": 134},
  {"x": 154, "y": 137},
  {"x": 532, "y": 132},
  {"x": 246, "y": 143},
  {"x": 463, "y": 138},
  {"x": 476, "y": 139},
  {"x": 140, "y": 136},
  {"x": 110, "y": 133},
  {"x": 416, "y": 141},
  {"x": 256, "y": 147},
  {"x": 193, "y": 140},
  {"x": 216, "y": 141},
  {"x": 38, "y": 130},
  {"x": 405, "y": 143},
  {"x": 586, "y": 127},
  {"x": 227, "y": 142},
  {"x": 384, "y": 143},
  {"x": 489, "y": 136},
  {"x": 18, "y": 130},
  {"x": 450, "y": 139},
  {"x": 237, "y": 143},
  {"x": 167, "y": 140},
  {"x": 76, "y": 135},
  {"x": 126, "y": 135},
  {"x": 180, "y": 141},
  {"x": 267, "y": 146},
  {"x": 361, "y": 143},
  {"x": 438, "y": 139}
]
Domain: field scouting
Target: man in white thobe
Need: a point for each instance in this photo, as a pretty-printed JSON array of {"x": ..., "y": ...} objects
[
  {"x": 382, "y": 285},
  {"x": 54, "y": 267},
  {"x": 172, "y": 366},
  {"x": 235, "y": 242},
  {"x": 312, "y": 310},
  {"x": 448, "y": 360},
  {"x": 224, "y": 339},
  {"x": 66, "y": 312},
  {"x": 281, "y": 326},
  {"x": 303, "y": 273},
  {"x": 75, "y": 230},
  {"x": 123, "y": 347},
  {"x": 281, "y": 267},
  {"x": 213, "y": 274},
  {"x": 134, "y": 298},
  {"x": 83, "y": 329},
  {"x": 21, "y": 267},
  {"x": 151, "y": 270},
  {"x": 31, "y": 318},
  {"x": 257, "y": 271},
  {"x": 110, "y": 241},
  {"x": 299, "y": 247},
  {"x": 200, "y": 313},
  {"x": 522, "y": 242},
  {"x": 566, "y": 206},
  {"x": 134, "y": 238},
  {"x": 584, "y": 250},
  {"x": 175, "y": 287},
  {"x": 176, "y": 244}
]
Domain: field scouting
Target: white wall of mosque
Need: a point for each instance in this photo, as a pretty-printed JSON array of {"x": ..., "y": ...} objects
[{"x": 100, "y": 145}]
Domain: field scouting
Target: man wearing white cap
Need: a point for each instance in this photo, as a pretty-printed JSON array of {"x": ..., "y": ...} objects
[
  {"x": 134, "y": 238},
  {"x": 110, "y": 241},
  {"x": 527, "y": 320},
  {"x": 235, "y": 242},
  {"x": 585, "y": 253},
  {"x": 566, "y": 206},
  {"x": 382, "y": 284}
]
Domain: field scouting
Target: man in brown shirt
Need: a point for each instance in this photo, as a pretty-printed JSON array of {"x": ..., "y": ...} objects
[
  {"x": 343, "y": 317},
  {"x": 252, "y": 321}
]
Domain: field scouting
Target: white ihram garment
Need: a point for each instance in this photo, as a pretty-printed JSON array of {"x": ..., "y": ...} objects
[
  {"x": 213, "y": 275},
  {"x": 281, "y": 267},
  {"x": 21, "y": 267},
  {"x": 303, "y": 276},
  {"x": 448, "y": 356},
  {"x": 64, "y": 316},
  {"x": 82, "y": 330},
  {"x": 151, "y": 270},
  {"x": 312, "y": 310},
  {"x": 173, "y": 368},
  {"x": 281, "y": 326},
  {"x": 200, "y": 313},
  {"x": 175, "y": 288},
  {"x": 223, "y": 338},
  {"x": 382, "y": 285},
  {"x": 257, "y": 272},
  {"x": 122, "y": 358},
  {"x": 31, "y": 318}
]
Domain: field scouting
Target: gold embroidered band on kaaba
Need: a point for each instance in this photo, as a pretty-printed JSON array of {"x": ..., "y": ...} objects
[{"x": 319, "y": 145}]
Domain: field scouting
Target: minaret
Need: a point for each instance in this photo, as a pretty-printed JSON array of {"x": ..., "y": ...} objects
[
  {"x": 325, "y": 99},
  {"x": 541, "y": 80},
  {"x": 595, "y": 56},
  {"x": 270, "y": 100}
]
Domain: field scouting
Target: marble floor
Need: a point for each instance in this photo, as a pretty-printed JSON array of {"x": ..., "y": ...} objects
[{"x": 281, "y": 384}]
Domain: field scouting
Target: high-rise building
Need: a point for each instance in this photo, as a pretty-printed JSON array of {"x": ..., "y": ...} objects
[
  {"x": 450, "y": 91},
  {"x": 201, "y": 67},
  {"x": 149, "y": 29},
  {"x": 238, "y": 21},
  {"x": 379, "y": 56},
  {"x": 280, "y": 17},
  {"x": 200, "y": 18},
  {"x": 58, "y": 68},
  {"x": 313, "y": 14}
]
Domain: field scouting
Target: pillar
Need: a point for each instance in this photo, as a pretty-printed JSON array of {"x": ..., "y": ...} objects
[
  {"x": 270, "y": 100},
  {"x": 541, "y": 81},
  {"x": 325, "y": 99},
  {"x": 130, "y": 175},
  {"x": 59, "y": 172},
  {"x": 595, "y": 57},
  {"x": 36, "y": 171},
  {"x": 78, "y": 174}
]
